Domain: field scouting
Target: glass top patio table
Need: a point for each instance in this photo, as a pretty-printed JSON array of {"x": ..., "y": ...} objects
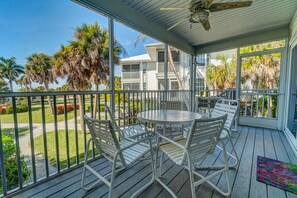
[{"x": 174, "y": 117}]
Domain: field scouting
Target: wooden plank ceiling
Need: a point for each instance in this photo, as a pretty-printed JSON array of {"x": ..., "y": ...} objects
[{"x": 262, "y": 15}]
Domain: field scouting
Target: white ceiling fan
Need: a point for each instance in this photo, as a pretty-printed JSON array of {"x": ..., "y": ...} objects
[{"x": 200, "y": 10}]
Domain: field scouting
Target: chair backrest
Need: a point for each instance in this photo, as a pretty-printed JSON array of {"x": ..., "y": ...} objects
[
  {"x": 225, "y": 106},
  {"x": 113, "y": 121},
  {"x": 172, "y": 105},
  {"x": 203, "y": 137},
  {"x": 206, "y": 102},
  {"x": 104, "y": 137}
]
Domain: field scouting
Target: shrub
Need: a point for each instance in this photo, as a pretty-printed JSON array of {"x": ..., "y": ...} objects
[
  {"x": 2, "y": 110},
  {"x": 9, "y": 110},
  {"x": 59, "y": 109},
  {"x": 22, "y": 108},
  {"x": 10, "y": 163},
  {"x": 69, "y": 107}
]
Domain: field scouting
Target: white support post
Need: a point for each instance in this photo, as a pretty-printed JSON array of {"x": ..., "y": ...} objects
[
  {"x": 238, "y": 84},
  {"x": 193, "y": 81},
  {"x": 111, "y": 62},
  {"x": 166, "y": 70}
]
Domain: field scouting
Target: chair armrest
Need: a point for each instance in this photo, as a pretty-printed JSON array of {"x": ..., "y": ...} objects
[
  {"x": 171, "y": 141},
  {"x": 134, "y": 143}
]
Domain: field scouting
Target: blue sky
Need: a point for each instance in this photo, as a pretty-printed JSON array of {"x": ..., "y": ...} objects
[{"x": 30, "y": 26}]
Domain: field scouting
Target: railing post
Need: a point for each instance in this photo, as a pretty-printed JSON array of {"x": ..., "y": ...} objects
[
  {"x": 17, "y": 143},
  {"x": 111, "y": 62},
  {"x": 3, "y": 173}
]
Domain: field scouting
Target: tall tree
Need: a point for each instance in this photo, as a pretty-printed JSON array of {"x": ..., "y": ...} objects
[
  {"x": 25, "y": 82},
  {"x": 10, "y": 70},
  {"x": 143, "y": 37},
  {"x": 221, "y": 76},
  {"x": 94, "y": 44},
  {"x": 39, "y": 69},
  {"x": 85, "y": 60},
  {"x": 3, "y": 86}
]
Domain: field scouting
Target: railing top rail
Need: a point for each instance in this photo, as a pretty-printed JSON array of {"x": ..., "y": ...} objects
[{"x": 27, "y": 94}]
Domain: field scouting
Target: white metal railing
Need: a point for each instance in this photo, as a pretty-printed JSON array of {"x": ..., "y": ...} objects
[
  {"x": 161, "y": 67},
  {"x": 261, "y": 103},
  {"x": 130, "y": 75},
  {"x": 61, "y": 137}
]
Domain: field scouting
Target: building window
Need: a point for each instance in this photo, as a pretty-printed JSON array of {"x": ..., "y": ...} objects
[
  {"x": 200, "y": 84},
  {"x": 135, "y": 68},
  {"x": 126, "y": 68},
  {"x": 131, "y": 68},
  {"x": 174, "y": 85},
  {"x": 144, "y": 86},
  {"x": 200, "y": 59},
  {"x": 161, "y": 84},
  {"x": 175, "y": 56}
]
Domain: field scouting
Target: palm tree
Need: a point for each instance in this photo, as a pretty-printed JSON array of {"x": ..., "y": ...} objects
[
  {"x": 3, "y": 86},
  {"x": 222, "y": 76},
  {"x": 84, "y": 60},
  {"x": 10, "y": 70},
  {"x": 25, "y": 82},
  {"x": 143, "y": 37},
  {"x": 93, "y": 41},
  {"x": 39, "y": 69}
]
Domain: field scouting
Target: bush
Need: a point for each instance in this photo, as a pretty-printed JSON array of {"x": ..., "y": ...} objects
[
  {"x": 8, "y": 110},
  {"x": 69, "y": 107},
  {"x": 10, "y": 162},
  {"x": 2, "y": 110},
  {"x": 22, "y": 108},
  {"x": 59, "y": 109}
]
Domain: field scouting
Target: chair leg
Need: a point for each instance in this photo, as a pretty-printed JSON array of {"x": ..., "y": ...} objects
[
  {"x": 192, "y": 180},
  {"x": 113, "y": 172},
  {"x": 84, "y": 168},
  {"x": 153, "y": 175},
  {"x": 227, "y": 171},
  {"x": 161, "y": 161}
]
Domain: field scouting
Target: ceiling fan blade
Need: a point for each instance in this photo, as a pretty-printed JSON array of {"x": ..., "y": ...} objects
[
  {"x": 173, "y": 8},
  {"x": 205, "y": 24},
  {"x": 176, "y": 24},
  {"x": 230, "y": 5},
  {"x": 206, "y": 3}
]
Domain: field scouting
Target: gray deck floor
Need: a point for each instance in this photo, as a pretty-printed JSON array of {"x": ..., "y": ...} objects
[{"x": 249, "y": 142}]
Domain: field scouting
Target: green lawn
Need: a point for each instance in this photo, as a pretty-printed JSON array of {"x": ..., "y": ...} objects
[
  {"x": 36, "y": 116},
  {"x": 51, "y": 146},
  {"x": 10, "y": 132}
]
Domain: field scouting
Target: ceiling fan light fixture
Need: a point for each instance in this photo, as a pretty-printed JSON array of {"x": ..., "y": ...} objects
[{"x": 198, "y": 16}]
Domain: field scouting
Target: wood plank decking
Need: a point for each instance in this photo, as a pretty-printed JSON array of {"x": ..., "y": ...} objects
[{"x": 249, "y": 142}]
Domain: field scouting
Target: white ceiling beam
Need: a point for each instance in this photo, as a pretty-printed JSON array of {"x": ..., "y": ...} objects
[
  {"x": 245, "y": 40},
  {"x": 131, "y": 18}
]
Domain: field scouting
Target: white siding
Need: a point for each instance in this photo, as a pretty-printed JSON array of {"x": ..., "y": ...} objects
[{"x": 293, "y": 31}]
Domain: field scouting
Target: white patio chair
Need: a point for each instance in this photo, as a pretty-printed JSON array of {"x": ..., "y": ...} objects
[
  {"x": 229, "y": 107},
  {"x": 134, "y": 131},
  {"x": 200, "y": 143},
  {"x": 121, "y": 154},
  {"x": 175, "y": 131}
]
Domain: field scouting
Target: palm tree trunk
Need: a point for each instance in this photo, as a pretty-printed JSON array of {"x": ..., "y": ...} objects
[
  {"x": 30, "y": 87},
  {"x": 179, "y": 82},
  {"x": 95, "y": 101},
  {"x": 10, "y": 85},
  {"x": 49, "y": 98},
  {"x": 81, "y": 113}
]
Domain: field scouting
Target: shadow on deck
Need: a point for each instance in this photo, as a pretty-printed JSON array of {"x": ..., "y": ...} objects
[{"x": 249, "y": 142}]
